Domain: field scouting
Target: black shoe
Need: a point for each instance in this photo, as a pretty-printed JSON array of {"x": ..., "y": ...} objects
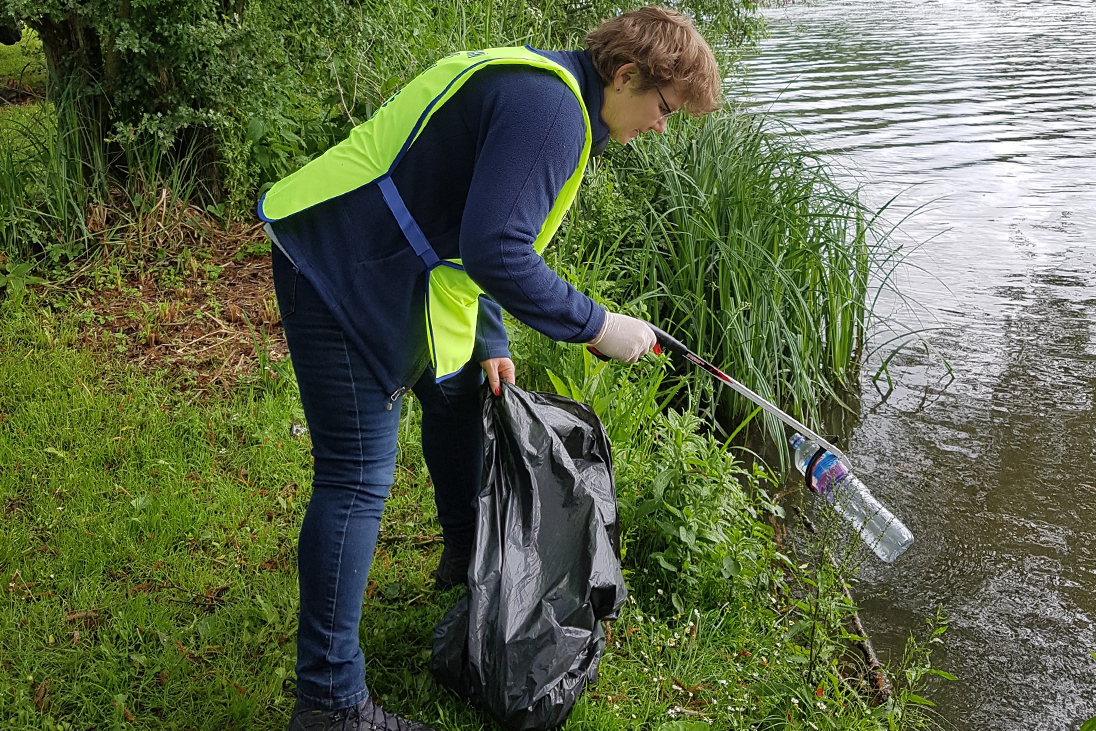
[
  {"x": 366, "y": 716},
  {"x": 452, "y": 568}
]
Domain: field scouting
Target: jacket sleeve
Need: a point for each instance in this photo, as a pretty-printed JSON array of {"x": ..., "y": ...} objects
[
  {"x": 530, "y": 143},
  {"x": 491, "y": 340}
]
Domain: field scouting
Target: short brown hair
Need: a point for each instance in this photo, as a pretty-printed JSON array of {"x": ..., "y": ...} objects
[{"x": 666, "y": 48}]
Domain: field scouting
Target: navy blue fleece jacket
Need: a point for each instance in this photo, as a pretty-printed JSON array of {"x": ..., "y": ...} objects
[{"x": 480, "y": 181}]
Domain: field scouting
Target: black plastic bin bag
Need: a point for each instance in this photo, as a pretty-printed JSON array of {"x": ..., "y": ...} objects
[{"x": 526, "y": 639}]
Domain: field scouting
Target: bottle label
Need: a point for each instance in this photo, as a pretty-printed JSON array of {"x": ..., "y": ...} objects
[{"x": 828, "y": 471}]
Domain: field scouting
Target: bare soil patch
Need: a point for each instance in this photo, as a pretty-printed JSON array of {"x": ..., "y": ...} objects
[
  {"x": 173, "y": 289},
  {"x": 18, "y": 95}
]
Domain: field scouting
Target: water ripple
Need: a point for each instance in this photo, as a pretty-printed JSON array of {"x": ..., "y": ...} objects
[{"x": 980, "y": 116}]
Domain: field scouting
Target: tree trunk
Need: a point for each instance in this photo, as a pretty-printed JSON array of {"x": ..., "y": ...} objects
[{"x": 74, "y": 60}]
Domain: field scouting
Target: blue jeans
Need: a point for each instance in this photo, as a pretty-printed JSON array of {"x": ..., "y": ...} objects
[{"x": 353, "y": 424}]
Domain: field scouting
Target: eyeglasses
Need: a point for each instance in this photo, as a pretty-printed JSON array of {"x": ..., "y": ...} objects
[{"x": 664, "y": 107}]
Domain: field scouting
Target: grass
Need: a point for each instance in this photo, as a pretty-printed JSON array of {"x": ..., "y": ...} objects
[
  {"x": 58, "y": 204},
  {"x": 60, "y": 168},
  {"x": 45, "y": 189},
  {"x": 139, "y": 542},
  {"x": 148, "y": 560},
  {"x": 22, "y": 66},
  {"x": 14, "y": 118}
]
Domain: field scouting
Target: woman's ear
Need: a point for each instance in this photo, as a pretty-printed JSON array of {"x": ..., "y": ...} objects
[{"x": 624, "y": 75}]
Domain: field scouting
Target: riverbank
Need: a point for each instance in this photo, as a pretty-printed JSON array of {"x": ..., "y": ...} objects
[
  {"x": 160, "y": 463},
  {"x": 151, "y": 516}
]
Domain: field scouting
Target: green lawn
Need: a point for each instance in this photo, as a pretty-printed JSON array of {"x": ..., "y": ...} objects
[{"x": 147, "y": 555}]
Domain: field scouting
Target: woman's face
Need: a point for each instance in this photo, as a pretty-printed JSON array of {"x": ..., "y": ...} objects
[{"x": 629, "y": 113}]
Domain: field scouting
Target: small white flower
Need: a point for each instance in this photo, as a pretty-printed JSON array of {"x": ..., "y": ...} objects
[{"x": 795, "y": 701}]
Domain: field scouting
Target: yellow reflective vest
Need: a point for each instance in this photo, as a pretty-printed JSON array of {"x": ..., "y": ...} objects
[{"x": 372, "y": 152}]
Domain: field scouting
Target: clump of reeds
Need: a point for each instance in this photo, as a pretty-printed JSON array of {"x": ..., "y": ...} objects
[
  {"x": 59, "y": 184},
  {"x": 750, "y": 251}
]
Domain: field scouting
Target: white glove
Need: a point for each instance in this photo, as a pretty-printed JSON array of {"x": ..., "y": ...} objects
[{"x": 624, "y": 338}]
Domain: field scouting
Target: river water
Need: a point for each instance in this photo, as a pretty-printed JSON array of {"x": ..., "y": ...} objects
[{"x": 980, "y": 116}]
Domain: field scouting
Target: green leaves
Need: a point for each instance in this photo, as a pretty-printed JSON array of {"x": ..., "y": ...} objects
[
  {"x": 661, "y": 558},
  {"x": 753, "y": 253},
  {"x": 683, "y": 725},
  {"x": 16, "y": 277}
]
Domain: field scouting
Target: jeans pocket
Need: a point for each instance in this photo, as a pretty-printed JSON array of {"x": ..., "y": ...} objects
[{"x": 285, "y": 282}]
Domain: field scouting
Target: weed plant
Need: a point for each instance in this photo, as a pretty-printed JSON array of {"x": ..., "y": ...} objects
[
  {"x": 56, "y": 197},
  {"x": 693, "y": 515},
  {"x": 45, "y": 185}
]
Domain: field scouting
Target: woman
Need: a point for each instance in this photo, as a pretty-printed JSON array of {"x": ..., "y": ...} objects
[{"x": 394, "y": 251}]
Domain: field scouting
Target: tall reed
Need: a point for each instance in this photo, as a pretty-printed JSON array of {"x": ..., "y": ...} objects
[
  {"x": 54, "y": 171},
  {"x": 44, "y": 184}
]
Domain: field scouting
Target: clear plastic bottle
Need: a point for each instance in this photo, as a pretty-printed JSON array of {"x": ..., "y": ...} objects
[{"x": 879, "y": 529}]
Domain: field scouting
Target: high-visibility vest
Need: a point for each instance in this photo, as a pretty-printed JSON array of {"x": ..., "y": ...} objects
[{"x": 372, "y": 152}]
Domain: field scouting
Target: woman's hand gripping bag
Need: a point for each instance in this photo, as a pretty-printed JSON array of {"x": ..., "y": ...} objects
[{"x": 526, "y": 639}]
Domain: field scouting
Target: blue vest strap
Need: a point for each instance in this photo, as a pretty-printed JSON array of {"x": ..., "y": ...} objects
[{"x": 408, "y": 225}]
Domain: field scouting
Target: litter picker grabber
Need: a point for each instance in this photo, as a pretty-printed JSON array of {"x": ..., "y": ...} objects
[{"x": 665, "y": 341}]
